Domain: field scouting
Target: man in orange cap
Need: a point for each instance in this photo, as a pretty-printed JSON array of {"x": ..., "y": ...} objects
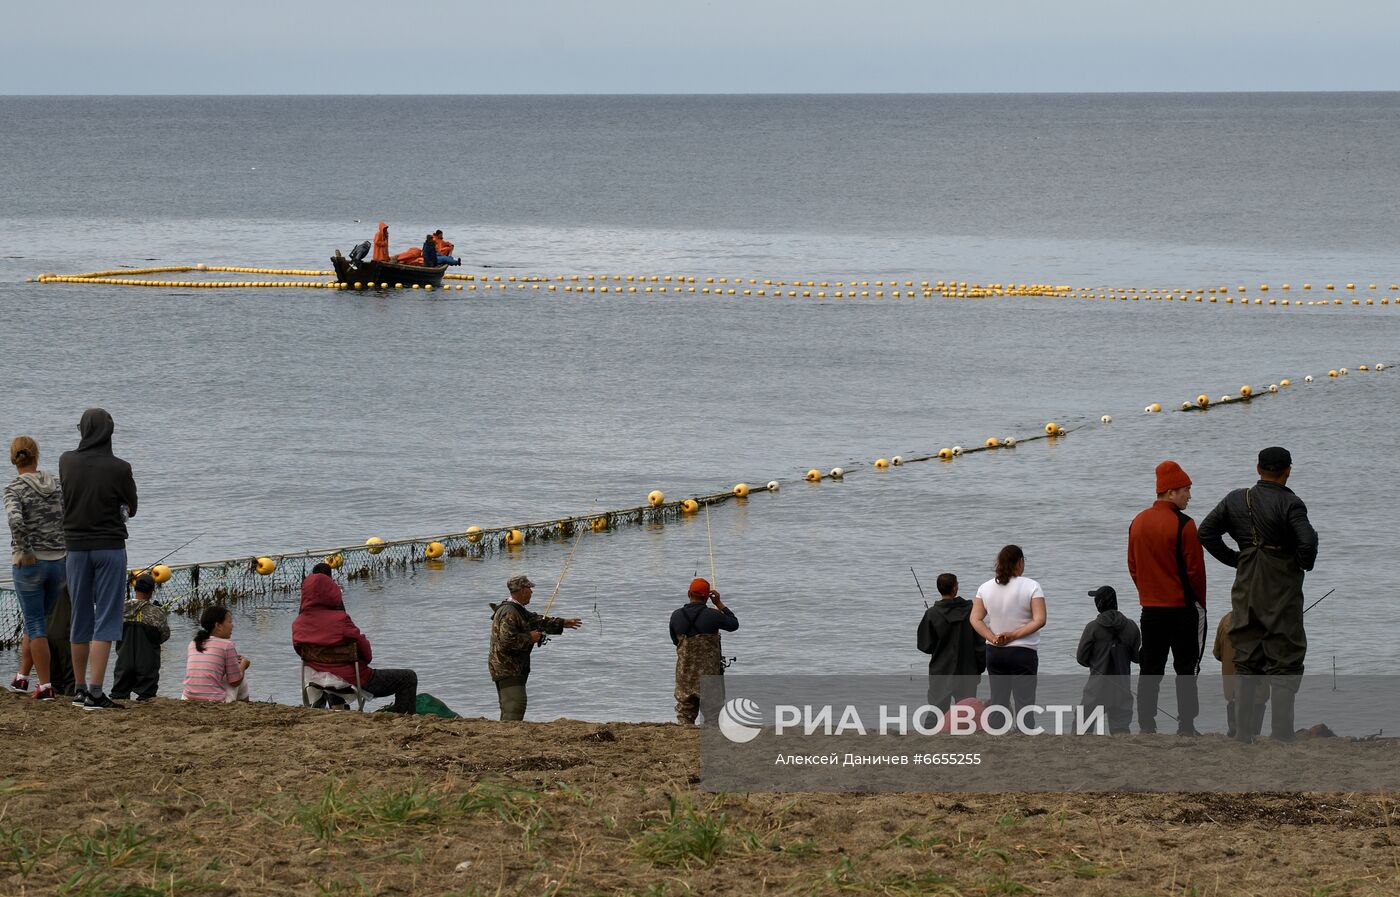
[
  {"x": 1168, "y": 567},
  {"x": 695, "y": 631}
]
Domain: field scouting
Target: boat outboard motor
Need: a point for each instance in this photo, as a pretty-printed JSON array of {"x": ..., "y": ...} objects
[{"x": 358, "y": 254}]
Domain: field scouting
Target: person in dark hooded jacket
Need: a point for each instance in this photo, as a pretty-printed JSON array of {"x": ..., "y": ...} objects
[
  {"x": 323, "y": 622},
  {"x": 1109, "y": 647},
  {"x": 958, "y": 655},
  {"x": 99, "y": 495}
]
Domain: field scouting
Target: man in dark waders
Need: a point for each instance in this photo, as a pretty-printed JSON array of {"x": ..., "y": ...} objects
[
  {"x": 695, "y": 631},
  {"x": 515, "y": 631},
  {"x": 1277, "y": 544}
]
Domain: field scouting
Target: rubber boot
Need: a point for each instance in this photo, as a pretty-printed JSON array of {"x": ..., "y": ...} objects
[
  {"x": 1282, "y": 696},
  {"x": 1245, "y": 689}
]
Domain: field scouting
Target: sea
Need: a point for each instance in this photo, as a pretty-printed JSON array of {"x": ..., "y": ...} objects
[{"x": 271, "y": 420}]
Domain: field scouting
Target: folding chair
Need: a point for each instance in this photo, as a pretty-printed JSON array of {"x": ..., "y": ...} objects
[{"x": 329, "y": 687}]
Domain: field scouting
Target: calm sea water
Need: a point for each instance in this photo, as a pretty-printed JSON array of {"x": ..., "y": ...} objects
[{"x": 273, "y": 420}]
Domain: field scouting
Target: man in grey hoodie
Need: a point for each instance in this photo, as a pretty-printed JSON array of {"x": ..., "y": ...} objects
[
  {"x": 1109, "y": 647},
  {"x": 99, "y": 494}
]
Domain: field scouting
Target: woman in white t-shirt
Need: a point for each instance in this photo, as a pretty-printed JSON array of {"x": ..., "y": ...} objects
[{"x": 1009, "y": 612}]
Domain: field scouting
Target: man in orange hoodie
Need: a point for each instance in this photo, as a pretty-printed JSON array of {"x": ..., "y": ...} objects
[{"x": 1168, "y": 567}]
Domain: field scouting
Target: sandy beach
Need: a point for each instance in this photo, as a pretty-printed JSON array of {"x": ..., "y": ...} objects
[{"x": 173, "y": 798}]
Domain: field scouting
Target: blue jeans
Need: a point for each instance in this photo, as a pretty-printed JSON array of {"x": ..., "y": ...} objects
[
  {"x": 97, "y": 588},
  {"x": 37, "y": 586}
]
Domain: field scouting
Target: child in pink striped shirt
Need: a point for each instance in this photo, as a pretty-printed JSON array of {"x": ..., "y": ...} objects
[{"x": 214, "y": 670}]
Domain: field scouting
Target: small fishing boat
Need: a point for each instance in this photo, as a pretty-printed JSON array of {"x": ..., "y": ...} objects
[{"x": 368, "y": 271}]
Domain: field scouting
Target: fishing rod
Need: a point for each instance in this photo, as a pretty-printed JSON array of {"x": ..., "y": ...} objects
[
  {"x": 1317, "y": 602},
  {"x": 921, "y": 588},
  {"x": 148, "y": 567},
  {"x": 581, "y": 531},
  {"x": 710, "y": 539}
]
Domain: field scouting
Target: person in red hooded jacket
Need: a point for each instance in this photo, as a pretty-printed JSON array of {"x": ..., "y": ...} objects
[{"x": 324, "y": 622}]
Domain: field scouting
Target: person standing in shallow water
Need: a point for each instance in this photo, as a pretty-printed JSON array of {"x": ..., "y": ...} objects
[
  {"x": 695, "y": 631},
  {"x": 1169, "y": 569},
  {"x": 515, "y": 631},
  {"x": 1277, "y": 545},
  {"x": 99, "y": 495}
]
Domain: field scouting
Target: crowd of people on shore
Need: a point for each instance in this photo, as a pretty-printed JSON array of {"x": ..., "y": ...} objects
[
  {"x": 1260, "y": 641},
  {"x": 69, "y": 533}
]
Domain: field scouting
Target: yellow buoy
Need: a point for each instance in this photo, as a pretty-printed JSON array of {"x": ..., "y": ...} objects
[
  {"x": 1052, "y": 429},
  {"x": 515, "y": 538},
  {"x": 1361, "y": 367},
  {"x": 264, "y": 566},
  {"x": 992, "y": 442},
  {"x": 434, "y": 550},
  {"x": 473, "y": 534},
  {"x": 690, "y": 506},
  {"x": 600, "y": 524},
  {"x": 656, "y": 498},
  {"x": 160, "y": 573},
  {"x": 813, "y": 475},
  {"x": 1202, "y": 400},
  {"x": 945, "y": 454},
  {"x": 375, "y": 544},
  {"x": 1246, "y": 391},
  {"x": 741, "y": 490},
  {"x": 881, "y": 463},
  {"x": 334, "y": 561},
  {"x": 1155, "y": 407},
  {"x": 1331, "y": 373}
]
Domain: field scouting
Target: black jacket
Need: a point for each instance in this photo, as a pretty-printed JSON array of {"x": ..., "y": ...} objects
[
  {"x": 705, "y": 621},
  {"x": 1110, "y": 645},
  {"x": 96, "y": 484},
  {"x": 946, "y": 633},
  {"x": 1280, "y": 517}
]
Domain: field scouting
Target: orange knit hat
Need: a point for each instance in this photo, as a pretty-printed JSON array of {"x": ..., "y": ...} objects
[{"x": 1170, "y": 476}]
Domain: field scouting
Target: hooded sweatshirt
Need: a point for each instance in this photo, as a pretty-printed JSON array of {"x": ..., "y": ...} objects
[
  {"x": 1111, "y": 644},
  {"x": 946, "y": 633},
  {"x": 323, "y": 621},
  {"x": 99, "y": 492},
  {"x": 34, "y": 506}
]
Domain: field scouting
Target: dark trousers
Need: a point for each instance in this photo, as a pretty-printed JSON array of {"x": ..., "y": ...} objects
[
  {"x": 1180, "y": 631},
  {"x": 402, "y": 684},
  {"x": 1011, "y": 673},
  {"x": 510, "y": 691}
]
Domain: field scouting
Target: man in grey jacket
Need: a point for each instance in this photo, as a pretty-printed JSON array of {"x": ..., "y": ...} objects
[{"x": 1277, "y": 544}]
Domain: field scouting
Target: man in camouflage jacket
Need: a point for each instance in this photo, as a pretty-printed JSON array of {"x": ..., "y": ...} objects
[{"x": 515, "y": 631}]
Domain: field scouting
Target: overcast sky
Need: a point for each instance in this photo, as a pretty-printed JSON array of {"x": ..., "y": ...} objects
[{"x": 695, "y": 46}]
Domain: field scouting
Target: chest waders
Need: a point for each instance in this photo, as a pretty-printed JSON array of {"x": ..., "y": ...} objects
[
  {"x": 698, "y": 655},
  {"x": 1266, "y": 629}
]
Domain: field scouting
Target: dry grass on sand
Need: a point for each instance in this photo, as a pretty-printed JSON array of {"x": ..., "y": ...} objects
[{"x": 176, "y": 799}]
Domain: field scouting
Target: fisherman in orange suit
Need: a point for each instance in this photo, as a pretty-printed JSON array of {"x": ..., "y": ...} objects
[{"x": 381, "y": 243}]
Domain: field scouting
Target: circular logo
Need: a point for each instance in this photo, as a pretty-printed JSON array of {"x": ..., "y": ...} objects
[{"x": 740, "y": 720}]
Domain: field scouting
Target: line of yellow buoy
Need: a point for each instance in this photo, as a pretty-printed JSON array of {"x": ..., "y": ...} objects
[
  {"x": 1248, "y": 393},
  {"x": 852, "y": 288}
]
